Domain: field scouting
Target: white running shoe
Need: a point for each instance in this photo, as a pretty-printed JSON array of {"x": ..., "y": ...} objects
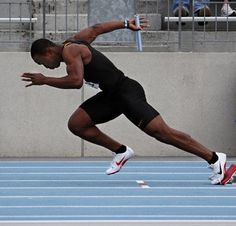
[
  {"x": 119, "y": 160},
  {"x": 226, "y": 11},
  {"x": 219, "y": 169}
]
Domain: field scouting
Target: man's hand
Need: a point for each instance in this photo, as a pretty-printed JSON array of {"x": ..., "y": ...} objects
[
  {"x": 143, "y": 24},
  {"x": 34, "y": 79}
]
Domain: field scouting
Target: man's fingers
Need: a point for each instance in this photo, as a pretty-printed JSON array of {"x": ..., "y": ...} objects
[
  {"x": 26, "y": 80},
  {"x": 145, "y": 23},
  {"x": 29, "y": 85},
  {"x": 27, "y": 75}
]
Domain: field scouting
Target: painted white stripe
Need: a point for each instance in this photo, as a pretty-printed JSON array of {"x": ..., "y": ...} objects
[
  {"x": 211, "y": 187},
  {"x": 140, "y": 181},
  {"x": 115, "y": 196},
  {"x": 122, "y": 216},
  {"x": 95, "y": 161},
  {"x": 118, "y": 206},
  {"x": 121, "y": 173},
  {"x": 119, "y": 221},
  {"x": 100, "y": 167},
  {"x": 142, "y": 184},
  {"x": 49, "y": 180}
]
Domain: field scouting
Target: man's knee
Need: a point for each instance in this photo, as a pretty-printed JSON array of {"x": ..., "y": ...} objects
[
  {"x": 79, "y": 122},
  {"x": 74, "y": 126},
  {"x": 163, "y": 134},
  {"x": 159, "y": 130},
  {"x": 71, "y": 125}
]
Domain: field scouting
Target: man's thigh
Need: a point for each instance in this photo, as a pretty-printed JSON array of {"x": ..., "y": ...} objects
[{"x": 101, "y": 108}]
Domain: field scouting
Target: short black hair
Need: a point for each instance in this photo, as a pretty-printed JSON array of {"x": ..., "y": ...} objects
[{"x": 40, "y": 46}]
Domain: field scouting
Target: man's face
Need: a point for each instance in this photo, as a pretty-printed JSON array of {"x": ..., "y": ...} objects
[{"x": 49, "y": 59}]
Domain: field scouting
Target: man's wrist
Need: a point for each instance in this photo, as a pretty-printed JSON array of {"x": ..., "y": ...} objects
[{"x": 126, "y": 23}]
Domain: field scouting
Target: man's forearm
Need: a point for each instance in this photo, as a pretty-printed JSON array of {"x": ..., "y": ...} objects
[
  {"x": 63, "y": 82},
  {"x": 105, "y": 27},
  {"x": 89, "y": 34}
]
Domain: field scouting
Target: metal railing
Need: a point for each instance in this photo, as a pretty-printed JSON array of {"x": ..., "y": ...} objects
[
  {"x": 64, "y": 13},
  {"x": 16, "y": 22},
  {"x": 22, "y": 21},
  {"x": 217, "y": 31}
]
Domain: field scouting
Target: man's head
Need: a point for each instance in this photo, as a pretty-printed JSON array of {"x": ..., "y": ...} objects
[{"x": 47, "y": 53}]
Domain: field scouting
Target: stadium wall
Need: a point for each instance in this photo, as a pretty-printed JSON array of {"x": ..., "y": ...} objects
[{"x": 194, "y": 92}]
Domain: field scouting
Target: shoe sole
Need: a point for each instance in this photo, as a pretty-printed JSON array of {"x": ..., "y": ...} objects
[{"x": 229, "y": 175}]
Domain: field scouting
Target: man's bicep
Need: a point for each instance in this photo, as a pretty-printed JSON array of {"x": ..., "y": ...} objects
[
  {"x": 75, "y": 67},
  {"x": 74, "y": 63},
  {"x": 75, "y": 72},
  {"x": 87, "y": 34}
]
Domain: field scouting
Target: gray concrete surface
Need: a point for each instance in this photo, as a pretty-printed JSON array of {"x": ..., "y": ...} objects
[{"x": 103, "y": 10}]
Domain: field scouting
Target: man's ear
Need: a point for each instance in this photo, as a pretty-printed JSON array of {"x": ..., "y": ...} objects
[{"x": 48, "y": 52}]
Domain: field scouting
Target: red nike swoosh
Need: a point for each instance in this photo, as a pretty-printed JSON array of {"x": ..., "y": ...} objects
[{"x": 120, "y": 162}]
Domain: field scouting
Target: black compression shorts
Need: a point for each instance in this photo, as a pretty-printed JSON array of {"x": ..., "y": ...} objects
[{"x": 128, "y": 99}]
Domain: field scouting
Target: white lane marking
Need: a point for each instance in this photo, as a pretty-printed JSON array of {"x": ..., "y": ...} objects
[{"x": 142, "y": 184}]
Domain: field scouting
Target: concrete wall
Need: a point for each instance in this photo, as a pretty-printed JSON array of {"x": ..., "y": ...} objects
[
  {"x": 103, "y": 10},
  {"x": 194, "y": 92}
]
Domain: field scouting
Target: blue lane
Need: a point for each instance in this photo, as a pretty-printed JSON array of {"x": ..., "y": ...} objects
[
  {"x": 7, "y": 184},
  {"x": 96, "y": 218},
  {"x": 103, "y": 191},
  {"x": 166, "y": 183},
  {"x": 121, "y": 176},
  {"x": 117, "y": 201},
  {"x": 102, "y": 169},
  {"x": 131, "y": 212}
]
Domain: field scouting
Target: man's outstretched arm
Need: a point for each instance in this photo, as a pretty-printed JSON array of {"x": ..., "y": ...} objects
[
  {"x": 90, "y": 34},
  {"x": 74, "y": 68}
]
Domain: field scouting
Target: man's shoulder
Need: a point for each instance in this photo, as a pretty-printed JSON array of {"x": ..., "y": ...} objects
[
  {"x": 76, "y": 50},
  {"x": 73, "y": 48}
]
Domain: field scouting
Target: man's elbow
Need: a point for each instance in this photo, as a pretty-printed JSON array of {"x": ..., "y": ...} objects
[{"x": 77, "y": 83}]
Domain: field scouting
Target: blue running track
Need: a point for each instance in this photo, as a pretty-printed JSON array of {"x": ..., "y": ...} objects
[{"x": 143, "y": 190}]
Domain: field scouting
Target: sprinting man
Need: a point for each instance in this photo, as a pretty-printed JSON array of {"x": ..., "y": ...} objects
[{"x": 119, "y": 95}]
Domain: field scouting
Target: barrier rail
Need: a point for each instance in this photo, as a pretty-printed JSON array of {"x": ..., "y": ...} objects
[
  {"x": 16, "y": 23},
  {"x": 201, "y": 19},
  {"x": 18, "y": 20}
]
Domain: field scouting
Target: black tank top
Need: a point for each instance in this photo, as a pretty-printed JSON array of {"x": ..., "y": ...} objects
[{"x": 101, "y": 71}]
